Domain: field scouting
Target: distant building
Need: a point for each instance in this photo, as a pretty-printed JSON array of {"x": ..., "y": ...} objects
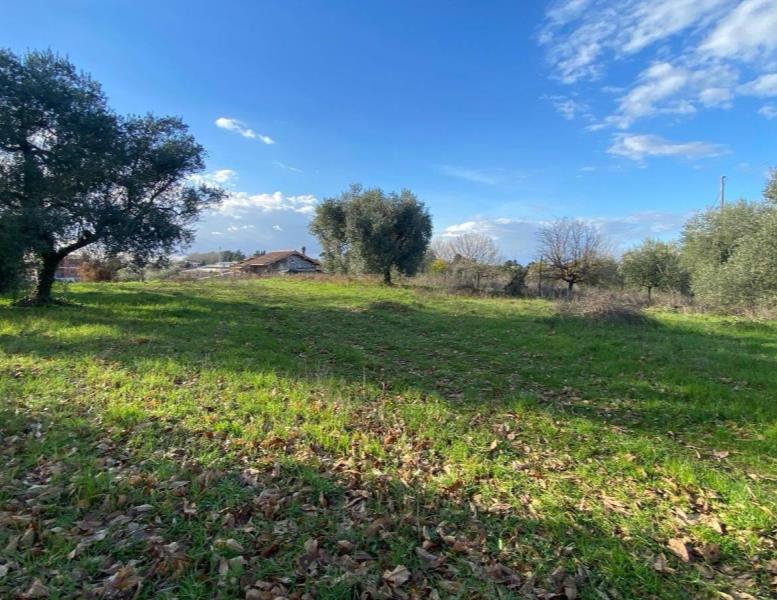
[
  {"x": 210, "y": 270},
  {"x": 69, "y": 269},
  {"x": 282, "y": 261}
]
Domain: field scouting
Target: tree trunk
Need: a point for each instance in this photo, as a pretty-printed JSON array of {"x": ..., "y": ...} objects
[
  {"x": 650, "y": 289},
  {"x": 46, "y": 275},
  {"x": 387, "y": 277},
  {"x": 570, "y": 285}
]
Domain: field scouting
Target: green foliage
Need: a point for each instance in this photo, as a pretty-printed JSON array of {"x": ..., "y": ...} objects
[
  {"x": 517, "y": 272},
  {"x": 606, "y": 273},
  {"x": 12, "y": 256},
  {"x": 75, "y": 174},
  {"x": 379, "y": 231},
  {"x": 329, "y": 226},
  {"x": 654, "y": 265},
  {"x": 438, "y": 267},
  {"x": 731, "y": 256},
  {"x": 770, "y": 192}
]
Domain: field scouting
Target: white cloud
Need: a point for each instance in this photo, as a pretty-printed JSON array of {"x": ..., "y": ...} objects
[
  {"x": 698, "y": 50},
  {"x": 473, "y": 175},
  {"x": 716, "y": 96},
  {"x": 224, "y": 175},
  {"x": 768, "y": 110},
  {"x": 579, "y": 36},
  {"x": 235, "y": 227},
  {"x": 243, "y": 129},
  {"x": 745, "y": 33},
  {"x": 219, "y": 178},
  {"x": 765, "y": 85},
  {"x": 656, "y": 83},
  {"x": 250, "y": 222},
  {"x": 569, "y": 108},
  {"x": 286, "y": 167},
  {"x": 242, "y": 202},
  {"x": 493, "y": 176},
  {"x": 639, "y": 147}
]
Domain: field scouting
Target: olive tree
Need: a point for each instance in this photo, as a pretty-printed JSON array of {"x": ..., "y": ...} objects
[
  {"x": 75, "y": 174},
  {"x": 714, "y": 238},
  {"x": 653, "y": 265},
  {"x": 376, "y": 230}
]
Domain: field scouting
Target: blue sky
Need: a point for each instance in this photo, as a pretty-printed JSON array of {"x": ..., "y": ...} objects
[{"x": 499, "y": 115}]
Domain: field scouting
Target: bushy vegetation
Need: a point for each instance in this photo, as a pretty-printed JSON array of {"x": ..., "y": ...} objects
[{"x": 731, "y": 255}]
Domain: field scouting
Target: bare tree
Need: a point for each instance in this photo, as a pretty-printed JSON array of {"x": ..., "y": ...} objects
[
  {"x": 471, "y": 247},
  {"x": 471, "y": 255},
  {"x": 572, "y": 249}
]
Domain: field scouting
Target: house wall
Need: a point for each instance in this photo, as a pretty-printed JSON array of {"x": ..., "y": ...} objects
[
  {"x": 291, "y": 263},
  {"x": 299, "y": 264},
  {"x": 69, "y": 268}
]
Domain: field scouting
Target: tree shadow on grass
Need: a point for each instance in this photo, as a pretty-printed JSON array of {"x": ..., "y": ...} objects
[
  {"x": 649, "y": 377},
  {"x": 101, "y": 506},
  {"x": 481, "y": 368}
]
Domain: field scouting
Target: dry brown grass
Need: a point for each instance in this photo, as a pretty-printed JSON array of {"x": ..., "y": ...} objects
[{"x": 605, "y": 306}]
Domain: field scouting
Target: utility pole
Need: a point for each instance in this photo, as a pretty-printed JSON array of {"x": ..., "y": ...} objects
[
  {"x": 722, "y": 191},
  {"x": 539, "y": 279}
]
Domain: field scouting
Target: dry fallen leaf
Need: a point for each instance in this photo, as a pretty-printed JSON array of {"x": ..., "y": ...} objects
[
  {"x": 233, "y": 545},
  {"x": 660, "y": 564},
  {"x": 570, "y": 588},
  {"x": 431, "y": 560},
  {"x": 36, "y": 590},
  {"x": 679, "y": 549},
  {"x": 771, "y": 566},
  {"x": 710, "y": 552},
  {"x": 396, "y": 576},
  {"x": 124, "y": 579}
]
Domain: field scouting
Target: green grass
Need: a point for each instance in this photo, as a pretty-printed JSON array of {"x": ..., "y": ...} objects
[{"x": 284, "y": 437}]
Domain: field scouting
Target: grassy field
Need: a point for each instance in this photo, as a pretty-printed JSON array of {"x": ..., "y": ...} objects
[{"x": 303, "y": 439}]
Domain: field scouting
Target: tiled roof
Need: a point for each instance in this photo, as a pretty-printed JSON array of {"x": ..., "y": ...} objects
[{"x": 270, "y": 258}]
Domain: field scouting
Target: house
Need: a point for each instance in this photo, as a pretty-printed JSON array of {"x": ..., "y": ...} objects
[
  {"x": 282, "y": 261},
  {"x": 69, "y": 269}
]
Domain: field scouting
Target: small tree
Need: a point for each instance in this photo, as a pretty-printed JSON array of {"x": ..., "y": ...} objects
[
  {"x": 469, "y": 254},
  {"x": 74, "y": 174},
  {"x": 98, "y": 267},
  {"x": 571, "y": 249},
  {"x": 653, "y": 265},
  {"x": 379, "y": 231},
  {"x": 517, "y": 273}
]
